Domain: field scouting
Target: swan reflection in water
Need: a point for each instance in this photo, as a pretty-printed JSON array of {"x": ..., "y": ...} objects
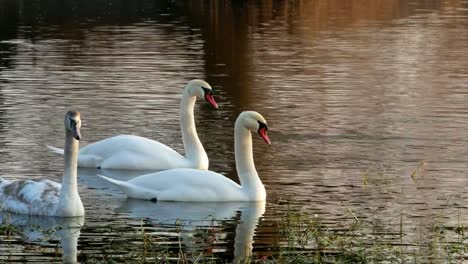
[
  {"x": 194, "y": 215},
  {"x": 36, "y": 229}
]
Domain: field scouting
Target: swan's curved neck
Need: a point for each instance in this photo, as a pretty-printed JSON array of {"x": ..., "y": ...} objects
[
  {"x": 245, "y": 166},
  {"x": 194, "y": 150}
]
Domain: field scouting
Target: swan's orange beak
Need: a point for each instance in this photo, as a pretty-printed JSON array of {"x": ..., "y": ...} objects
[
  {"x": 263, "y": 133},
  {"x": 210, "y": 99}
]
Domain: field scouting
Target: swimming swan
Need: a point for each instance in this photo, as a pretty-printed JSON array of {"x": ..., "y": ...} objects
[
  {"x": 44, "y": 197},
  {"x": 207, "y": 186},
  {"x": 139, "y": 153}
]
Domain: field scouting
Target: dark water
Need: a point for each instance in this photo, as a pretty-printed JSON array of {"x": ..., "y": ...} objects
[{"x": 358, "y": 95}]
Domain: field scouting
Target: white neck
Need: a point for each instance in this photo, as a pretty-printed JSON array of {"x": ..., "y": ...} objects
[
  {"x": 69, "y": 201},
  {"x": 245, "y": 166},
  {"x": 194, "y": 150},
  {"x": 69, "y": 181}
]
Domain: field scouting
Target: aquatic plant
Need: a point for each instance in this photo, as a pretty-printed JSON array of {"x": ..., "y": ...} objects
[
  {"x": 8, "y": 229},
  {"x": 305, "y": 238}
]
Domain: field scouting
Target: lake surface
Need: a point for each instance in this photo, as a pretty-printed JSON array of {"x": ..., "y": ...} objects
[{"x": 366, "y": 101}]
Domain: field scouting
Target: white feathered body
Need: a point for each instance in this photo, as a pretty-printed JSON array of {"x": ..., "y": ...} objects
[
  {"x": 187, "y": 185},
  {"x": 194, "y": 185},
  {"x": 138, "y": 153},
  {"x": 131, "y": 152},
  {"x": 33, "y": 197}
]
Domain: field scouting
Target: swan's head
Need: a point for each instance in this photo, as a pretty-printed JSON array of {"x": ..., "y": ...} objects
[
  {"x": 73, "y": 124},
  {"x": 201, "y": 89},
  {"x": 254, "y": 121}
]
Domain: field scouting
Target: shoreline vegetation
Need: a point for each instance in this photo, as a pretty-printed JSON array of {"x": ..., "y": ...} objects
[
  {"x": 299, "y": 236},
  {"x": 305, "y": 238}
]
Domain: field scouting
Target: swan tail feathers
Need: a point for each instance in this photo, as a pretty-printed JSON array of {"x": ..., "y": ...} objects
[
  {"x": 131, "y": 190},
  {"x": 115, "y": 182},
  {"x": 55, "y": 150}
]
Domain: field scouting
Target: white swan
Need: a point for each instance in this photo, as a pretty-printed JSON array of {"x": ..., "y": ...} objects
[
  {"x": 139, "y": 153},
  {"x": 44, "y": 197},
  {"x": 204, "y": 186}
]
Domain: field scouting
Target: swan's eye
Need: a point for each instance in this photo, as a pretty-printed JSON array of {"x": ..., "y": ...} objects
[
  {"x": 262, "y": 125},
  {"x": 207, "y": 91},
  {"x": 72, "y": 122}
]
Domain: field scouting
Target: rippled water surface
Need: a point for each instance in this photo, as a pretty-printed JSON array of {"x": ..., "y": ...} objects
[{"x": 367, "y": 103}]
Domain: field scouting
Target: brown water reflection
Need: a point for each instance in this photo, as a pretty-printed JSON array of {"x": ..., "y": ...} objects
[{"x": 357, "y": 95}]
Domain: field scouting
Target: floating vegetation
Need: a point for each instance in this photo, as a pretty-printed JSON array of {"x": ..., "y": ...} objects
[
  {"x": 420, "y": 167},
  {"x": 304, "y": 238},
  {"x": 9, "y": 230},
  {"x": 287, "y": 233},
  {"x": 309, "y": 240}
]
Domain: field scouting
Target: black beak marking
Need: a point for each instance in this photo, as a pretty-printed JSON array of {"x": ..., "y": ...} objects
[
  {"x": 207, "y": 91},
  {"x": 262, "y": 125},
  {"x": 75, "y": 131}
]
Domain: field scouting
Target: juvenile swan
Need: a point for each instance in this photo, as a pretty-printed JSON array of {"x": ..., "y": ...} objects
[
  {"x": 44, "y": 197},
  {"x": 139, "y": 153},
  {"x": 207, "y": 186}
]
